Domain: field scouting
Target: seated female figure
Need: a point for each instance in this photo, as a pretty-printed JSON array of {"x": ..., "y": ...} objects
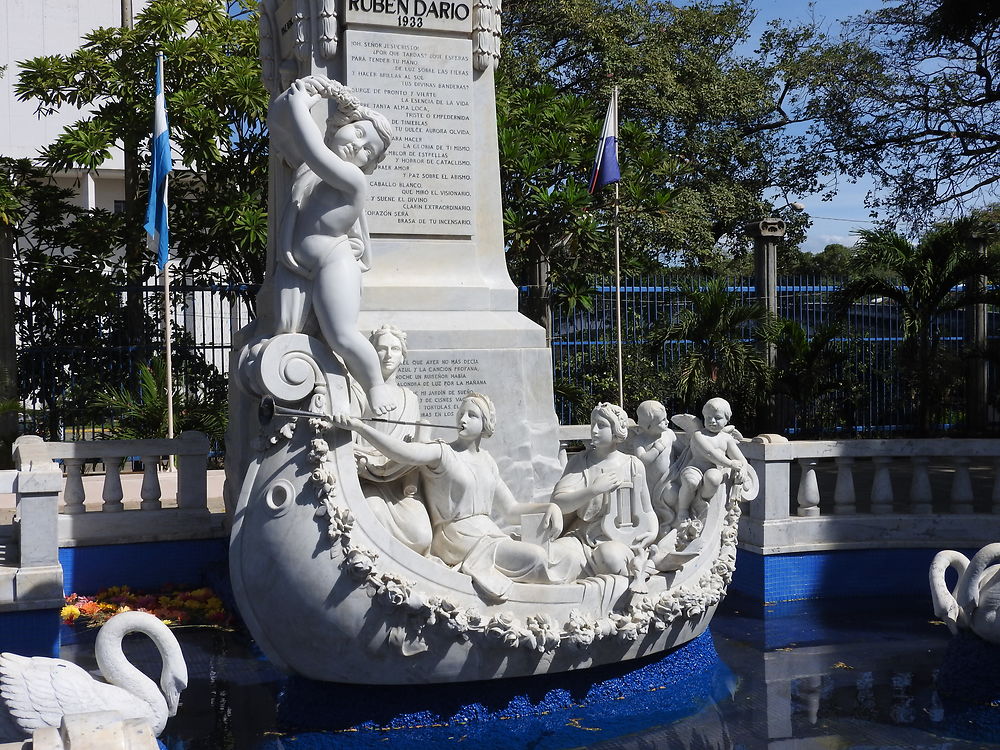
[
  {"x": 604, "y": 495},
  {"x": 466, "y": 498}
]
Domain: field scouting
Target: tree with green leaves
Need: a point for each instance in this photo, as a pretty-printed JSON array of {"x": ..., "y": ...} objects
[
  {"x": 833, "y": 261},
  {"x": 737, "y": 123},
  {"x": 719, "y": 340},
  {"x": 924, "y": 280},
  {"x": 142, "y": 413},
  {"x": 558, "y": 236},
  {"x": 816, "y": 377},
  {"x": 217, "y": 107},
  {"x": 923, "y": 121}
]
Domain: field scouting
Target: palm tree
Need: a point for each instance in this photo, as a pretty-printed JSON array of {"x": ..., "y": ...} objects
[
  {"x": 143, "y": 414},
  {"x": 924, "y": 280},
  {"x": 723, "y": 356}
]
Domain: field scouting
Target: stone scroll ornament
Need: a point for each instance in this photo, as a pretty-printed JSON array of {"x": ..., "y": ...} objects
[{"x": 315, "y": 29}]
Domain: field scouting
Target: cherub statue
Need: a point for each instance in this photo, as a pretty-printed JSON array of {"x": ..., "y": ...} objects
[
  {"x": 323, "y": 240},
  {"x": 712, "y": 451},
  {"x": 652, "y": 442}
]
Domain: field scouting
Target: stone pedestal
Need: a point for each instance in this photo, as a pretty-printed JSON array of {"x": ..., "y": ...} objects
[{"x": 434, "y": 212}]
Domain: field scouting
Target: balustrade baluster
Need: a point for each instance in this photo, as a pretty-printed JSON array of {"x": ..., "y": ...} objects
[
  {"x": 961, "y": 487},
  {"x": 843, "y": 495},
  {"x": 73, "y": 494},
  {"x": 882, "y": 485},
  {"x": 150, "y": 491},
  {"x": 113, "y": 493},
  {"x": 920, "y": 486},
  {"x": 808, "y": 497}
]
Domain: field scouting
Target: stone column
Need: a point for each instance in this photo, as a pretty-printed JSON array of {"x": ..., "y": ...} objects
[{"x": 766, "y": 234}]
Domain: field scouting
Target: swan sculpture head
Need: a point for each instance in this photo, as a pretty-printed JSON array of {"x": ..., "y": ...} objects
[
  {"x": 946, "y": 606},
  {"x": 38, "y": 691},
  {"x": 978, "y": 593}
]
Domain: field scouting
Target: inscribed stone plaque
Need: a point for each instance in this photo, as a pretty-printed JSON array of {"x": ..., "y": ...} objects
[
  {"x": 423, "y": 84},
  {"x": 426, "y": 15},
  {"x": 440, "y": 380}
]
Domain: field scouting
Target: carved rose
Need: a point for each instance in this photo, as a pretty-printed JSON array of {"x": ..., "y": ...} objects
[
  {"x": 393, "y": 591},
  {"x": 625, "y": 627},
  {"x": 474, "y": 618},
  {"x": 543, "y": 633},
  {"x": 319, "y": 450},
  {"x": 503, "y": 630},
  {"x": 359, "y": 562},
  {"x": 692, "y": 602},
  {"x": 667, "y": 609},
  {"x": 581, "y": 630},
  {"x": 689, "y": 531}
]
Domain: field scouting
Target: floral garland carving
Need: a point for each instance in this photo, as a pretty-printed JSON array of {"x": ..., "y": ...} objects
[{"x": 539, "y": 632}]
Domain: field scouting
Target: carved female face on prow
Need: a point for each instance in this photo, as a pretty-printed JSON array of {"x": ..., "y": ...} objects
[
  {"x": 469, "y": 420},
  {"x": 390, "y": 353},
  {"x": 602, "y": 434}
]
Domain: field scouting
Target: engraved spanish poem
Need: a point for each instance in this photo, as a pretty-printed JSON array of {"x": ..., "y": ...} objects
[
  {"x": 440, "y": 381},
  {"x": 424, "y": 85}
]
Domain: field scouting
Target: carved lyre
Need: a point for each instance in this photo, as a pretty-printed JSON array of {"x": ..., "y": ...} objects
[{"x": 625, "y": 520}]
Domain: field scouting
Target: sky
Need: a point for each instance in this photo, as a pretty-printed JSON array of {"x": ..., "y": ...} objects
[{"x": 833, "y": 220}]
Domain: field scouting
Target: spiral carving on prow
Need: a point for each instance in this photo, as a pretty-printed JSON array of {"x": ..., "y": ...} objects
[{"x": 287, "y": 370}]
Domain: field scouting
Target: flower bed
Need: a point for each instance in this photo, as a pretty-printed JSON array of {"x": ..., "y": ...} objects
[{"x": 172, "y": 605}]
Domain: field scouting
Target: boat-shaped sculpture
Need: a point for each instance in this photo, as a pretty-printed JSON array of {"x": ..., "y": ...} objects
[
  {"x": 363, "y": 551},
  {"x": 330, "y": 593}
]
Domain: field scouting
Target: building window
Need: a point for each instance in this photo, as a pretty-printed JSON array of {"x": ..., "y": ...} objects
[{"x": 119, "y": 207}]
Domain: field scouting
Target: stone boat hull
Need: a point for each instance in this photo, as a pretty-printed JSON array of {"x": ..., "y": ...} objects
[{"x": 330, "y": 595}]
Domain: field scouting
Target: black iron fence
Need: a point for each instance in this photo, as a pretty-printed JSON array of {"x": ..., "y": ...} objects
[
  {"x": 67, "y": 354},
  {"x": 873, "y": 399}
]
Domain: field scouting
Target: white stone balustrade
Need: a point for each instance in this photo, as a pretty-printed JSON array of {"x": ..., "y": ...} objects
[
  {"x": 866, "y": 493},
  {"x": 110, "y": 522}
]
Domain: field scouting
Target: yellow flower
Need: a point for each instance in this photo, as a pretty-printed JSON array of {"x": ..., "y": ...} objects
[{"x": 69, "y": 612}]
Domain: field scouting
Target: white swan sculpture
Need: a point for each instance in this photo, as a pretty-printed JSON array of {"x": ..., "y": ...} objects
[
  {"x": 974, "y": 602},
  {"x": 38, "y": 691}
]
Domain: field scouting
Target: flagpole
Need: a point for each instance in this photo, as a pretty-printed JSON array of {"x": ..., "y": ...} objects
[
  {"x": 168, "y": 356},
  {"x": 618, "y": 275},
  {"x": 157, "y": 226}
]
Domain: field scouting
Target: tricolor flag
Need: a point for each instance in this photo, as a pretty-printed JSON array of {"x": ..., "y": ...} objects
[
  {"x": 605, "y": 170},
  {"x": 156, "y": 210}
]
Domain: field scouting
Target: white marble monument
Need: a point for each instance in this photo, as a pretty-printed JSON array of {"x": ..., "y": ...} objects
[{"x": 363, "y": 550}]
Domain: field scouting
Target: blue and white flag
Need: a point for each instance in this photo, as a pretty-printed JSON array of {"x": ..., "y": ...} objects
[
  {"x": 162, "y": 163},
  {"x": 605, "y": 170}
]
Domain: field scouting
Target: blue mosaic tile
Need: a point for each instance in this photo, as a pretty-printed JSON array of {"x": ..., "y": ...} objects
[
  {"x": 152, "y": 565},
  {"x": 31, "y": 633}
]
